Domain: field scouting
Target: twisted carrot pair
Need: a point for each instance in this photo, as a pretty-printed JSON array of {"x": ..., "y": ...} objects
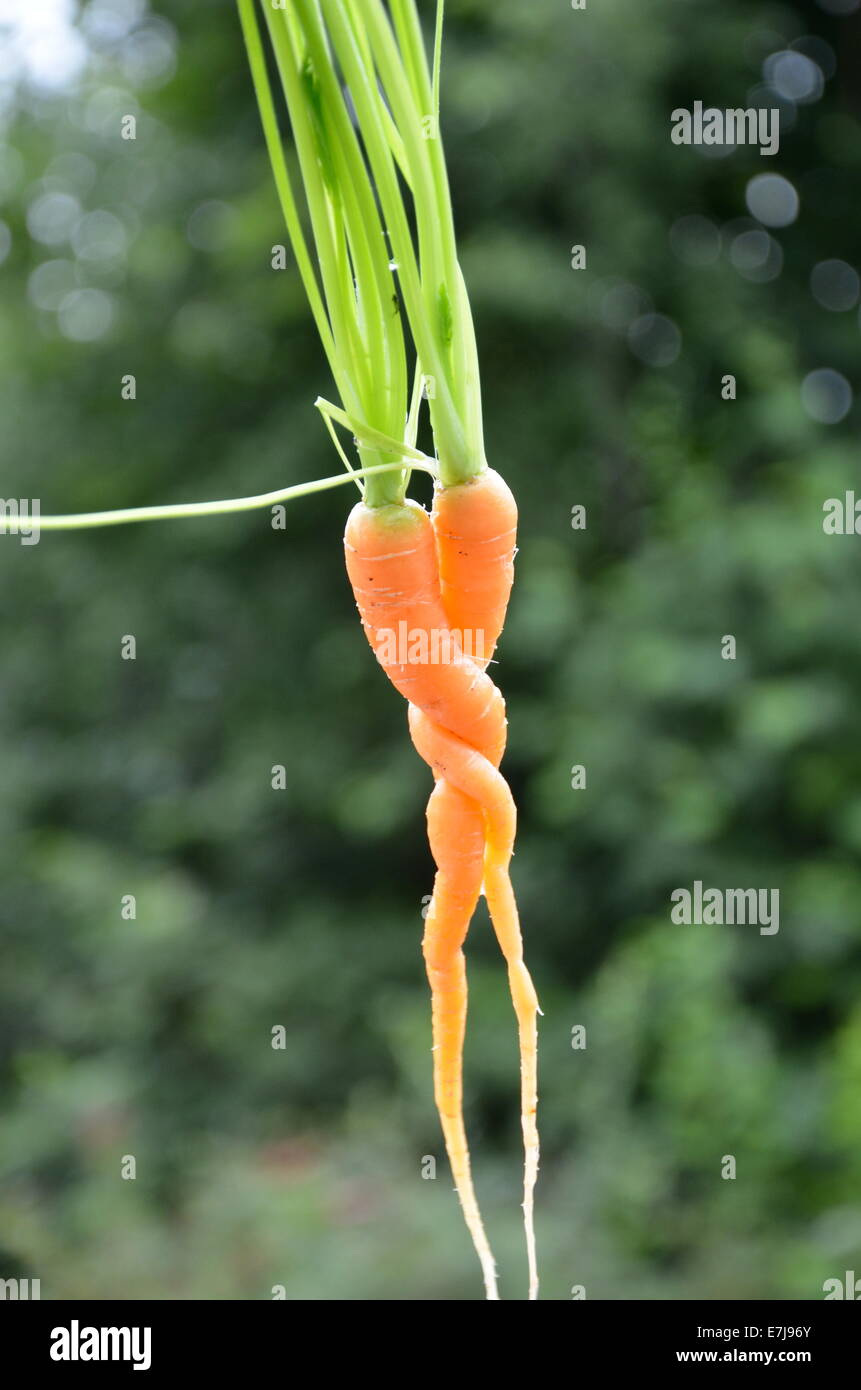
[{"x": 452, "y": 571}]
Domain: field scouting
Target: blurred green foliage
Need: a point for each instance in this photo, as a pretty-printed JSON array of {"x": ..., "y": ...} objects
[{"x": 302, "y": 908}]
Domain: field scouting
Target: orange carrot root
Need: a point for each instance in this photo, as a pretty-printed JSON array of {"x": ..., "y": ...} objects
[
  {"x": 475, "y": 525},
  {"x": 457, "y": 845},
  {"x": 397, "y": 564},
  {"x": 476, "y": 777},
  {"x": 391, "y": 562}
]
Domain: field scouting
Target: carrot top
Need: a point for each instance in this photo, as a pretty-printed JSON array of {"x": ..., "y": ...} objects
[{"x": 363, "y": 106}]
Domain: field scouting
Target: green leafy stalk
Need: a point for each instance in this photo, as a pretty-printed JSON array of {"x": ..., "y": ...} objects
[
  {"x": 376, "y": 299},
  {"x": 414, "y": 97},
  {"x": 269, "y": 121},
  {"x": 356, "y": 294},
  {"x": 420, "y": 278},
  {"x": 352, "y": 181},
  {"x": 78, "y": 521}
]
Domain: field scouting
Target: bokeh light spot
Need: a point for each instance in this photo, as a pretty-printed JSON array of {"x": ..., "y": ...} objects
[
  {"x": 826, "y": 396},
  {"x": 50, "y": 283},
  {"x": 772, "y": 200},
  {"x": 52, "y": 217},
  {"x": 835, "y": 285},
  {"x": 85, "y": 315},
  {"x": 655, "y": 339},
  {"x": 794, "y": 76},
  {"x": 756, "y": 255}
]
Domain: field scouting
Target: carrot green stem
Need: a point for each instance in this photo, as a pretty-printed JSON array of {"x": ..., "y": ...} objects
[
  {"x": 354, "y": 301},
  {"x": 367, "y": 278},
  {"x": 364, "y": 111},
  {"x": 437, "y": 57},
  {"x": 370, "y": 437},
  {"x": 78, "y": 521},
  {"x": 269, "y": 121},
  {"x": 414, "y": 98}
]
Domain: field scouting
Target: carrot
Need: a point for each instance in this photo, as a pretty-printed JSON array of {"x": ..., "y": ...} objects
[
  {"x": 457, "y": 723},
  {"x": 392, "y": 567},
  {"x": 475, "y": 527}
]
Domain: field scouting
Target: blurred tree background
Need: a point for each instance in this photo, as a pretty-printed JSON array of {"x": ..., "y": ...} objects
[{"x": 257, "y": 908}]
